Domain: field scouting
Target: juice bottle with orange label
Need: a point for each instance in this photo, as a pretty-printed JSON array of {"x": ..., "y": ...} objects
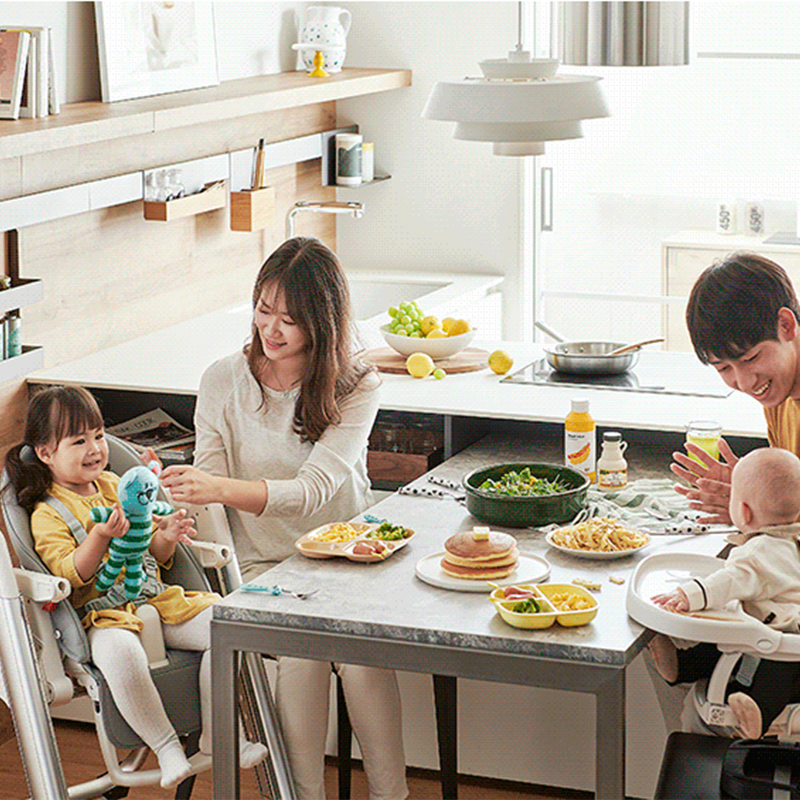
[{"x": 580, "y": 439}]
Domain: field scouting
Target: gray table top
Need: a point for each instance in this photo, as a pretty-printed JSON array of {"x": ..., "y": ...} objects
[{"x": 386, "y": 600}]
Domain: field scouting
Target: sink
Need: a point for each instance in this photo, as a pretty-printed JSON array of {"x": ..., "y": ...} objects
[{"x": 372, "y": 297}]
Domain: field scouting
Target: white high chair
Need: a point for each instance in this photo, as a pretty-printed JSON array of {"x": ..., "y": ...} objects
[
  {"x": 46, "y": 658},
  {"x": 702, "y": 766}
]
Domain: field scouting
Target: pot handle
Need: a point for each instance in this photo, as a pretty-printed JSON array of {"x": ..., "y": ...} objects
[
  {"x": 549, "y": 331},
  {"x": 346, "y": 18}
]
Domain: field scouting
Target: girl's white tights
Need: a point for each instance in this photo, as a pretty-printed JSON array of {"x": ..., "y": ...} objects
[{"x": 121, "y": 658}]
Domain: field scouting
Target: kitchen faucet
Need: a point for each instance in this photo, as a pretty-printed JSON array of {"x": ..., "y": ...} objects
[{"x": 326, "y": 207}]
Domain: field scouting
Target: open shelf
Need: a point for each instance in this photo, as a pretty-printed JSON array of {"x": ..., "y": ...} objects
[
  {"x": 32, "y": 358},
  {"x": 88, "y": 123}
]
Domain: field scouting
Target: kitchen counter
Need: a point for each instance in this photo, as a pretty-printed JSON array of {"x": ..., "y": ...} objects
[{"x": 171, "y": 361}]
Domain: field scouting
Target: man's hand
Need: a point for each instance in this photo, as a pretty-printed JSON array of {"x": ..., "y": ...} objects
[
  {"x": 189, "y": 485},
  {"x": 115, "y": 526},
  {"x": 710, "y": 481},
  {"x": 672, "y": 601}
]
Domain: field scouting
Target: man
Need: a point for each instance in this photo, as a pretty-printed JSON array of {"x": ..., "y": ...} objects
[{"x": 743, "y": 317}]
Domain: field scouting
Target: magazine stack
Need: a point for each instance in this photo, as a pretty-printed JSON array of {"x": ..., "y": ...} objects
[{"x": 172, "y": 443}]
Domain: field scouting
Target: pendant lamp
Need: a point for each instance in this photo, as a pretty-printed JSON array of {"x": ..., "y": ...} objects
[
  {"x": 622, "y": 34},
  {"x": 519, "y": 104}
]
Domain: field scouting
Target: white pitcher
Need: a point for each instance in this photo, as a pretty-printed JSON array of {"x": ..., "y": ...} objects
[{"x": 327, "y": 26}]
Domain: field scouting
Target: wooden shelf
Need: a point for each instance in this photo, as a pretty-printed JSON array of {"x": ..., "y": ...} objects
[
  {"x": 32, "y": 358},
  {"x": 88, "y": 123},
  {"x": 27, "y": 292}
]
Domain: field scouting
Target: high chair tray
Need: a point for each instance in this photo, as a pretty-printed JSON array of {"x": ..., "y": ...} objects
[{"x": 663, "y": 572}]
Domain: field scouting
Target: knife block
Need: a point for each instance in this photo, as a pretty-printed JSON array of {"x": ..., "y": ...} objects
[{"x": 252, "y": 209}]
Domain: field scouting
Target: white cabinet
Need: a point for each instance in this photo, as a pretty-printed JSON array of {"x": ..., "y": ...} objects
[{"x": 687, "y": 254}]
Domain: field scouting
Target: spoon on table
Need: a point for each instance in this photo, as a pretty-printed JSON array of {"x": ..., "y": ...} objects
[{"x": 635, "y": 346}]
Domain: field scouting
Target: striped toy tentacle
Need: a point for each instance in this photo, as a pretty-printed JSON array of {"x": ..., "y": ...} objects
[{"x": 111, "y": 570}]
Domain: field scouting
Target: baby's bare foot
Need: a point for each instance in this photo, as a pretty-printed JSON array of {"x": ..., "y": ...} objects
[
  {"x": 747, "y": 714},
  {"x": 665, "y": 657}
]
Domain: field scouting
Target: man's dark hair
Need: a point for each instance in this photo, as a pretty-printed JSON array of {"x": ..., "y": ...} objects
[{"x": 734, "y": 305}]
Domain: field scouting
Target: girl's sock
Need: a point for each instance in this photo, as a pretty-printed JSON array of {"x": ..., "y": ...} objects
[
  {"x": 173, "y": 763},
  {"x": 250, "y": 753}
]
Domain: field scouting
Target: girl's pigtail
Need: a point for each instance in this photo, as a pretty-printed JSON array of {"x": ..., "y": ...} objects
[{"x": 29, "y": 476}]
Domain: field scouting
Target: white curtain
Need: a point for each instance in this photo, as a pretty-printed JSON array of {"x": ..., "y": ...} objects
[{"x": 622, "y": 34}]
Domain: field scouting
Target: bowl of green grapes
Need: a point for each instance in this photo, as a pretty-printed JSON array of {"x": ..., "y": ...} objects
[{"x": 411, "y": 330}]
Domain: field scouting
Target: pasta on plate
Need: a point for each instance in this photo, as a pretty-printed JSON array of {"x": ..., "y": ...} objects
[{"x": 601, "y": 535}]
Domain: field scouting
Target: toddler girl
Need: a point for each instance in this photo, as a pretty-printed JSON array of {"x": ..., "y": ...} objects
[{"x": 61, "y": 466}]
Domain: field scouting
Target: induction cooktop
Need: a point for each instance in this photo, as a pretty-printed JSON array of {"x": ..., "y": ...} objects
[{"x": 655, "y": 372}]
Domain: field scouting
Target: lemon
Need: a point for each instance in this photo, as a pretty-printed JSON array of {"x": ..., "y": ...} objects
[
  {"x": 419, "y": 365},
  {"x": 427, "y": 324},
  {"x": 458, "y": 327},
  {"x": 436, "y": 333},
  {"x": 500, "y": 362},
  {"x": 446, "y": 323}
]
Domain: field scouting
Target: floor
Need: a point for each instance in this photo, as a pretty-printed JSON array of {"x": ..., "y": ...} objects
[{"x": 82, "y": 761}]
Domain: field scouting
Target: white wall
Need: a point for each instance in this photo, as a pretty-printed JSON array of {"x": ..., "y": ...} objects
[{"x": 450, "y": 205}]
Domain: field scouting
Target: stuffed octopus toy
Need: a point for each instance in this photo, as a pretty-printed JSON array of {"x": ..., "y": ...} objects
[{"x": 136, "y": 491}]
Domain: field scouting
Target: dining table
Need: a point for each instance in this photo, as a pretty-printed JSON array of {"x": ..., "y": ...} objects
[{"x": 384, "y": 615}]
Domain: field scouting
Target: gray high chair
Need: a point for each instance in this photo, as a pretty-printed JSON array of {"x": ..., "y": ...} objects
[
  {"x": 704, "y": 766},
  {"x": 46, "y": 658}
]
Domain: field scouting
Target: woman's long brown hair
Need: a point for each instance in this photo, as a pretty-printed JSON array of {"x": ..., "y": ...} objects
[
  {"x": 54, "y": 413},
  {"x": 317, "y": 297}
]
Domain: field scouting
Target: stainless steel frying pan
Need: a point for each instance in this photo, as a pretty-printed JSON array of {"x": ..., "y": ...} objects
[{"x": 586, "y": 358}]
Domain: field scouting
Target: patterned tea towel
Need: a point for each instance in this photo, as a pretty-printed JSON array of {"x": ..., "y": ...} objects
[{"x": 651, "y": 505}]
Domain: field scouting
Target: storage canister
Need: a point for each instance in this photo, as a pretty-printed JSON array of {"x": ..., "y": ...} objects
[{"x": 348, "y": 159}]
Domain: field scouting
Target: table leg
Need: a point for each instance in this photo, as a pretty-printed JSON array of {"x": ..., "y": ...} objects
[
  {"x": 224, "y": 715},
  {"x": 445, "y": 698},
  {"x": 610, "y": 733}
]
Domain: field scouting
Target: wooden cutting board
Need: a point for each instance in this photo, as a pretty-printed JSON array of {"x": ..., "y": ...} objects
[{"x": 470, "y": 359}]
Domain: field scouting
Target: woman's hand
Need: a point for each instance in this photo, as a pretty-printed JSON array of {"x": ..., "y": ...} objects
[
  {"x": 711, "y": 481},
  {"x": 672, "y": 601},
  {"x": 177, "y": 527},
  {"x": 115, "y": 526},
  {"x": 189, "y": 485}
]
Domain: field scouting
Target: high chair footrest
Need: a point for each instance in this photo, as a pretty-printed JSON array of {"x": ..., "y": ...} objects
[
  {"x": 692, "y": 767},
  {"x": 178, "y": 686}
]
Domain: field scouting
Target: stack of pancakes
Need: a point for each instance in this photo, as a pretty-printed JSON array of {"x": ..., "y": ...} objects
[{"x": 480, "y": 555}]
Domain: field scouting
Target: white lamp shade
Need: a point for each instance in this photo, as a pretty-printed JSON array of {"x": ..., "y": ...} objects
[
  {"x": 558, "y": 99},
  {"x": 518, "y": 131}
]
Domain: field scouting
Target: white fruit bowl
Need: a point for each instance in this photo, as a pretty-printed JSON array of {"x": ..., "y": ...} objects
[{"x": 436, "y": 348}]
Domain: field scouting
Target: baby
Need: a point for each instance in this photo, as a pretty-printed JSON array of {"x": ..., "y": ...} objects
[{"x": 763, "y": 571}]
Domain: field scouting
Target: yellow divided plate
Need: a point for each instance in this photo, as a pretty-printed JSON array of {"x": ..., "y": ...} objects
[{"x": 550, "y": 596}]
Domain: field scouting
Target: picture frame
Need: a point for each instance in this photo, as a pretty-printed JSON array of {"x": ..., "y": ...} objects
[
  {"x": 154, "y": 48},
  {"x": 13, "y": 68}
]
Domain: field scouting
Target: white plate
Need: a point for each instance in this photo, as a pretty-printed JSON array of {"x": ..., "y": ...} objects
[
  {"x": 529, "y": 569},
  {"x": 597, "y": 555}
]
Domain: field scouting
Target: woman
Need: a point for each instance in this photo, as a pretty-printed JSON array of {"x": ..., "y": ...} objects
[{"x": 282, "y": 429}]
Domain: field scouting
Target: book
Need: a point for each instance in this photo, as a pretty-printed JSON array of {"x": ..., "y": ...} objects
[
  {"x": 13, "y": 64},
  {"x": 28, "y": 104},
  {"x": 155, "y": 429},
  {"x": 38, "y": 72},
  {"x": 53, "y": 95}
]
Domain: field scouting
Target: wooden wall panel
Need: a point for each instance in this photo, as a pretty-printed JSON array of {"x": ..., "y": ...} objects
[
  {"x": 110, "y": 276},
  {"x": 57, "y": 168}
]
